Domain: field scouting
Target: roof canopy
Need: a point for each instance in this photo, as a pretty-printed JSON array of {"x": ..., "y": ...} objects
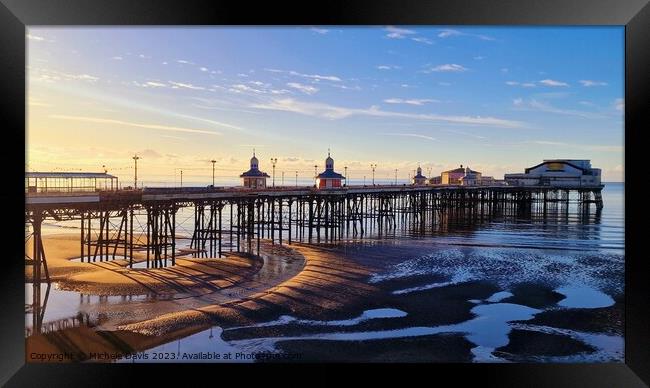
[
  {"x": 460, "y": 170},
  {"x": 254, "y": 173},
  {"x": 69, "y": 175},
  {"x": 330, "y": 174}
]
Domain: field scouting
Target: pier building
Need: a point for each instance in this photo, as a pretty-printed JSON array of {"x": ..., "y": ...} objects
[
  {"x": 254, "y": 178},
  {"x": 329, "y": 178},
  {"x": 557, "y": 173}
]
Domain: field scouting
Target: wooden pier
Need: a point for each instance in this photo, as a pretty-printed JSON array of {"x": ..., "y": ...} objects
[{"x": 112, "y": 223}]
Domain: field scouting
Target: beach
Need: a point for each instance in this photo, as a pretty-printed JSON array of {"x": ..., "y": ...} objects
[{"x": 317, "y": 311}]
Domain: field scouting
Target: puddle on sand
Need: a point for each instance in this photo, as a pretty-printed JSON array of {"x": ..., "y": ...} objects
[
  {"x": 57, "y": 304},
  {"x": 488, "y": 330},
  {"x": 578, "y": 296},
  {"x": 200, "y": 347},
  {"x": 609, "y": 348},
  {"x": 499, "y": 296},
  {"x": 366, "y": 315}
]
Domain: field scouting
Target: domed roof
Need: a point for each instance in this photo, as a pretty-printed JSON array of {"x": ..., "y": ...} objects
[
  {"x": 329, "y": 162},
  {"x": 254, "y": 160}
]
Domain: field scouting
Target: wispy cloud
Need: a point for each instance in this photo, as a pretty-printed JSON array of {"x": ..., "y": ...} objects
[
  {"x": 522, "y": 84},
  {"x": 589, "y": 83},
  {"x": 586, "y": 147},
  {"x": 447, "y": 33},
  {"x": 321, "y": 31},
  {"x": 318, "y": 77},
  {"x": 388, "y": 67},
  {"x": 421, "y": 39},
  {"x": 35, "y": 38},
  {"x": 345, "y": 87},
  {"x": 448, "y": 67},
  {"x": 413, "y": 101},
  {"x": 131, "y": 124},
  {"x": 335, "y": 112},
  {"x": 553, "y": 83},
  {"x": 47, "y": 75},
  {"x": 261, "y": 88},
  {"x": 181, "y": 85},
  {"x": 303, "y": 88},
  {"x": 465, "y": 134},
  {"x": 150, "y": 84},
  {"x": 416, "y": 135},
  {"x": 619, "y": 104},
  {"x": 545, "y": 107},
  {"x": 398, "y": 33},
  {"x": 402, "y": 33},
  {"x": 184, "y": 62}
]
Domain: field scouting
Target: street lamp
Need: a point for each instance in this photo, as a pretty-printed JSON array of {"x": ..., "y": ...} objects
[
  {"x": 346, "y": 175},
  {"x": 213, "y": 162},
  {"x": 315, "y": 172},
  {"x": 135, "y": 179},
  {"x": 296, "y": 178},
  {"x": 373, "y": 166},
  {"x": 273, "y": 162},
  {"x": 181, "y": 179},
  {"x": 395, "y": 176}
]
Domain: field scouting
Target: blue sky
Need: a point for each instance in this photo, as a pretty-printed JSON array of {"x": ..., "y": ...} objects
[{"x": 495, "y": 98}]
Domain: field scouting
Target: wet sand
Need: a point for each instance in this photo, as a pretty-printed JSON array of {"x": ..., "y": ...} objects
[
  {"x": 331, "y": 283},
  {"x": 114, "y": 277}
]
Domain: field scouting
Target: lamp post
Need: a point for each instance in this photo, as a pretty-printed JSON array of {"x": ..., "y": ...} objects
[
  {"x": 315, "y": 173},
  {"x": 395, "y": 176},
  {"x": 296, "y": 178},
  {"x": 273, "y": 162},
  {"x": 213, "y": 162},
  {"x": 135, "y": 179},
  {"x": 181, "y": 179},
  {"x": 346, "y": 175},
  {"x": 373, "y": 166}
]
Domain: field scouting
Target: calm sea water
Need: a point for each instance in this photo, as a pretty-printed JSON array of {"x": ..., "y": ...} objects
[{"x": 581, "y": 259}]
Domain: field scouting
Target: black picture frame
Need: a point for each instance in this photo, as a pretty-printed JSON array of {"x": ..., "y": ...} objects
[{"x": 16, "y": 15}]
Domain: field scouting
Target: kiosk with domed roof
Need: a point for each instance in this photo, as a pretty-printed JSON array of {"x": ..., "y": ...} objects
[
  {"x": 329, "y": 179},
  {"x": 254, "y": 178},
  {"x": 419, "y": 179}
]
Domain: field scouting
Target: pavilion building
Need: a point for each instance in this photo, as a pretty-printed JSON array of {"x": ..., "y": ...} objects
[
  {"x": 254, "y": 178},
  {"x": 329, "y": 178},
  {"x": 419, "y": 179}
]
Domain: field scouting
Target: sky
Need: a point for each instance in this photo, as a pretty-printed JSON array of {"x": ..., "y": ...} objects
[{"x": 496, "y": 99}]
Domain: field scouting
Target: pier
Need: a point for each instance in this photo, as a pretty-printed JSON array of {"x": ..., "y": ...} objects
[{"x": 115, "y": 223}]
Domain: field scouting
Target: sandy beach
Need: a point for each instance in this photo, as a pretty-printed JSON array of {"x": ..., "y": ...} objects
[{"x": 312, "y": 286}]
